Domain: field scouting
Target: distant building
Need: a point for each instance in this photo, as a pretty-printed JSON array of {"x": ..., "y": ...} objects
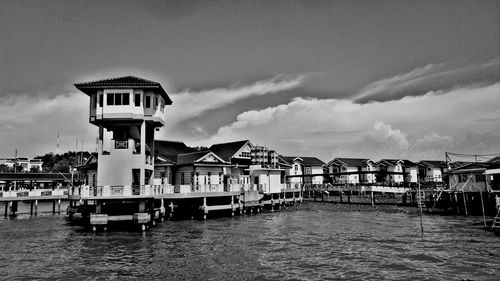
[
  {"x": 300, "y": 166},
  {"x": 399, "y": 170},
  {"x": 352, "y": 170},
  {"x": 261, "y": 155},
  {"x": 35, "y": 165},
  {"x": 431, "y": 170},
  {"x": 237, "y": 153}
]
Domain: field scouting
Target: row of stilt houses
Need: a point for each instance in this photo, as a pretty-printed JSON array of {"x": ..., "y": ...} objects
[{"x": 137, "y": 179}]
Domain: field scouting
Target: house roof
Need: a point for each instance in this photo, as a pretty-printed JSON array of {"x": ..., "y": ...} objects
[
  {"x": 469, "y": 167},
  {"x": 170, "y": 149},
  {"x": 433, "y": 163},
  {"x": 227, "y": 150},
  {"x": 350, "y": 162},
  {"x": 123, "y": 82},
  {"x": 190, "y": 158},
  {"x": 395, "y": 162},
  {"x": 306, "y": 161},
  {"x": 495, "y": 159},
  {"x": 163, "y": 161}
]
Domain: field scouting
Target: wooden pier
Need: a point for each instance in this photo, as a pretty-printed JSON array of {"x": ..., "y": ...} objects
[
  {"x": 147, "y": 205},
  {"x": 11, "y": 199}
]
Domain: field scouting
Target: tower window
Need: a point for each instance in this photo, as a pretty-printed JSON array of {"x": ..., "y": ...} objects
[
  {"x": 148, "y": 102},
  {"x": 118, "y": 99},
  {"x": 126, "y": 99},
  {"x": 101, "y": 100},
  {"x": 110, "y": 99},
  {"x": 137, "y": 99}
]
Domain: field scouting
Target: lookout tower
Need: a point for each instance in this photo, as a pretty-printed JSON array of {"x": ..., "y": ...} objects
[{"x": 127, "y": 111}]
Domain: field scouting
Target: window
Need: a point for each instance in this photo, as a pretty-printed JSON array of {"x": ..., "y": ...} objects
[
  {"x": 220, "y": 177},
  {"x": 156, "y": 102},
  {"x": 245, "y": 154},
  {"x": 101, "y": 100},
  {"x": 137, "y": 99},
  {"x": 110, "y": 99},
  {"x": 182, "y": 178},
  {"x": 117, "y": 98},
  {"x": 126, "y": 99},
  {"x": 209, "y": 176},
  {"x": 148, "y": 102}
]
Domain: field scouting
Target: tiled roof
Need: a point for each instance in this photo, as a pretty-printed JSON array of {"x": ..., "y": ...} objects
[
  {"x": 350, "y": 162},
  {"x": 189, "y": 158},
  {"x": 164, "y": 161},
  {"x": 170, "y": 149},
  {"x": 306, "y": 161},
  {"x": 474, "y": 166},
  {"x": 123, "y": 82},
  {"x": 433, "y": 163},
  {"x": 228, "y": 149},
  {"x": 395, "y": 161}
]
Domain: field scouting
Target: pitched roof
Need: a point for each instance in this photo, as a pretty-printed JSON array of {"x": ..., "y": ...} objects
[
  {"x": 395, "y": 162},
  {"x": 190, "y": 158},
  {"x": 471, "y": 166},
  {"x": 350, "y": 162},
  {"x": 123, "y": 82},
  {"x": 228, "y": 149},
  {"x": 170, "y": 149},
  {"x": 433, "y": 163},
  {"x": 306, "y": 161}
]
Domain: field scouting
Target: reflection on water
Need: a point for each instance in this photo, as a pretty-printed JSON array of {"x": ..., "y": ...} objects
[{"x": 308, "y": 244}]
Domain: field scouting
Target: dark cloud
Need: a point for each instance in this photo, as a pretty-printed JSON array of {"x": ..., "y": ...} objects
[{"x": 435, "y": 78}]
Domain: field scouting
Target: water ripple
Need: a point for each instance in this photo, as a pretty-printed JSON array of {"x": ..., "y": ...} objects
[{"x": 289, "y": 245}]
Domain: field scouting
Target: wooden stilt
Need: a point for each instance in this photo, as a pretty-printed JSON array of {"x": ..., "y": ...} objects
[
  {"x": 482, "y": 208},
  {"x": 36, "y": 207},
  {"x": 465, "y": 203},
  {"x": 372, "y": 199},
  {"x": 171, "y": 209},
  {"x": 54, "y": 207},
  {"x": 205, "y": 212},
  {"x": 31, "y": 208},
  {"x": 455, "y": 197},
  {"x": 6, "y": 208}
]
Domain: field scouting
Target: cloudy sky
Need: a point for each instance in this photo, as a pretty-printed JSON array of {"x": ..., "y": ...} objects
[{"x": 375, "y": 79}]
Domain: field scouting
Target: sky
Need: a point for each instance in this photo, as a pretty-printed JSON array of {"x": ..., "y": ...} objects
[{"x": 372, "y": 79}]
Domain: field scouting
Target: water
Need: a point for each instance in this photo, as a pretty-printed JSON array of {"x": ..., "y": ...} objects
[{"x": 315, "y": 242}]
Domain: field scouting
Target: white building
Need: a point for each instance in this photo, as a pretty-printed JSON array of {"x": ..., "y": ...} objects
[
  {"x": 301, "y": 166},
  {"x": 431, "y": 171},
  {"x": 127, "y": 110},
  {"x": 351, "y": 170}
]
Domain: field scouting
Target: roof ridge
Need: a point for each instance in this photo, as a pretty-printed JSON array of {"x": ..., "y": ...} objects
[
  {"x": 194, "y": 152},
  {"x": 116, "y": 78}
]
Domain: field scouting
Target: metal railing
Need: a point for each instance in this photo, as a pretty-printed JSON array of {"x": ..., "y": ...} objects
[
  {"x": 34, "y": 193},
  {"x": 120, "y": 190}
]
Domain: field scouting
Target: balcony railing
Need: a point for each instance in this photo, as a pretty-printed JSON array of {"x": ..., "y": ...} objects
[
  {"x": 121, "y": 190},
  {"x": 34, "y": 193}
]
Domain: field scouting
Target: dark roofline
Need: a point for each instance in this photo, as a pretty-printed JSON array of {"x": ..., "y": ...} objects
[{"x": 90, "y": 86}]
